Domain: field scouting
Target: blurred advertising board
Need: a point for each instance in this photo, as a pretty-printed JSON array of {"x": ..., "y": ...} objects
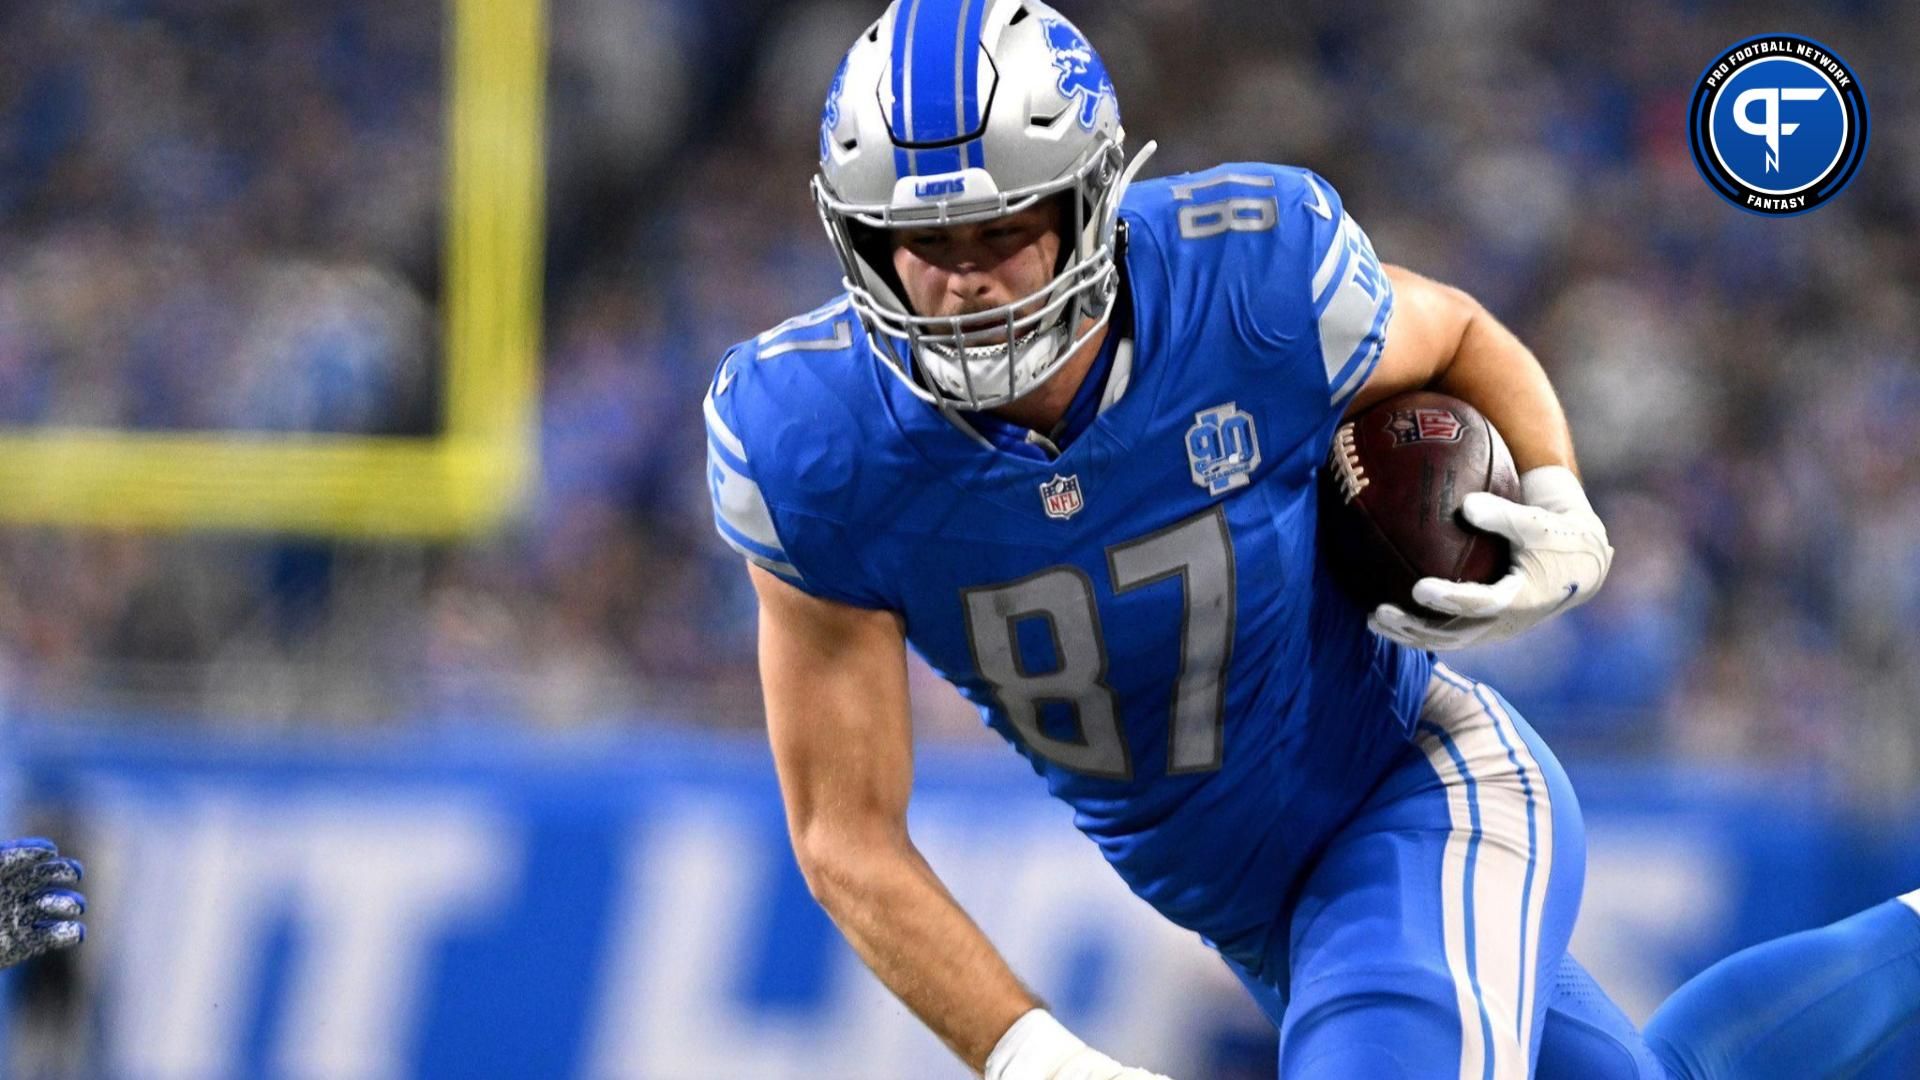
[{"x": 626, "y": 908}]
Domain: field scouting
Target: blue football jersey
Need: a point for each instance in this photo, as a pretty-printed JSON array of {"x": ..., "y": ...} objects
[{"x": 1143, "y": 617}]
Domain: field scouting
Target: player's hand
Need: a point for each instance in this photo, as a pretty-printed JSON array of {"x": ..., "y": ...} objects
[
  {"x": 38, "y": 913},
  {"x": 1038, "y": 1047},
  {"x": 1560, "y": 559}
]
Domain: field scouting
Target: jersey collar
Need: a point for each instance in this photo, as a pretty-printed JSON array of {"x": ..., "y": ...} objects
[
  {"x": 1089, "y": 401},
  {"x": 969, "y": 460}
]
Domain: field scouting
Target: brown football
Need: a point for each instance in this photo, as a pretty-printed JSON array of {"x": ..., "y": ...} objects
[{"x": 1390, "y": 497}]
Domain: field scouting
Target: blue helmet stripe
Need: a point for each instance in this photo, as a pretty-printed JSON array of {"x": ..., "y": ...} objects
[
  {"x": 947, "y": 159},
  {"x": 936, "y": 107},
  {"x": 936, "y": 71},
  {"x": 976, "y": 13},
  {"x": 902, "y": 19}
]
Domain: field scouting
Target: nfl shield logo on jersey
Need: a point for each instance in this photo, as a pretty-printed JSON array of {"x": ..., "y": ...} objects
[
  {"x": 1061, "y": 496},
  {"x": 1223, "y": 448},
  {"x": 1408, "y": 426}
]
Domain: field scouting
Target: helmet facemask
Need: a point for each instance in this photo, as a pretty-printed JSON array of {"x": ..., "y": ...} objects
[{"x": 985, "y": 359}]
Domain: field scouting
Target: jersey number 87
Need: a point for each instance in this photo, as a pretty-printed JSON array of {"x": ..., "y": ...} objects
[{"x": 1199, "y": 553}]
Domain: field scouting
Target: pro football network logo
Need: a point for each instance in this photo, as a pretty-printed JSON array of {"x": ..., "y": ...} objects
[
  {"x": 1778, "y": 124},
  {"x": 1061, "y": 496},
  {"x": 1223, "y": 448},
  {"x": 1409, "y": 426}
]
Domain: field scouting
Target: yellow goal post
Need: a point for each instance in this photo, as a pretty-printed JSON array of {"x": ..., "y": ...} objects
[{"x": 463, "y": 480}]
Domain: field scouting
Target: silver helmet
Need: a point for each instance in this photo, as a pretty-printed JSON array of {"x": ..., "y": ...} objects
[{"x": 948, "y": 112}]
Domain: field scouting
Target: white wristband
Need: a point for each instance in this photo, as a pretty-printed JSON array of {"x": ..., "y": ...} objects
[{"x": 1032, "y": 1049}]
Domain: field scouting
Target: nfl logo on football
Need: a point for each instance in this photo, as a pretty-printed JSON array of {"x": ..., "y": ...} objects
[
  {"x": 1061, "y": 496},
  {"x": 1408, "y": 426}
]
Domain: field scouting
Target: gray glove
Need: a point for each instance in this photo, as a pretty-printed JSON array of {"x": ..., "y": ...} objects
[{"x": 37, "y": 912}]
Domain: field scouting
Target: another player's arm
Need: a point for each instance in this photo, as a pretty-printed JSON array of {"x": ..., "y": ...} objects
[
  {"x": 835, "y": 681},
  {"x": 1443, "y": 339}
]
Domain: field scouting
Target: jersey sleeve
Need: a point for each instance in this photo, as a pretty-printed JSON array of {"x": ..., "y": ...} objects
[
  {"x": 807, "y": 550},
  {"x": 1268, "y": 254},
  {"x": 1352, "y": 300},
  {"x": 1305, "y": 291}
]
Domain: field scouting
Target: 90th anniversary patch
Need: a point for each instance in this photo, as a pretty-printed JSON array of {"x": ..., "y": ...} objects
[{"x": 1778, "y": 124}]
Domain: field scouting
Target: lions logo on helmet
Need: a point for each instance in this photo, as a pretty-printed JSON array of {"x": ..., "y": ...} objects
[
  {"x": 949, "y": 112},
  {"x": 1082, "y": 74},
  {"x": 830, "y": 116}
]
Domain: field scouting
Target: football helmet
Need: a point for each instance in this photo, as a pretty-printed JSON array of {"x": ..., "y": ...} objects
[{"x": 950, "y": 112}]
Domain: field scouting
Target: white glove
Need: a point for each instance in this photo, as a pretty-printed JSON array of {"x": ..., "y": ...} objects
[
  {"x": 1560, "y": 559},
  {"x": 1038, "y": 1047}
]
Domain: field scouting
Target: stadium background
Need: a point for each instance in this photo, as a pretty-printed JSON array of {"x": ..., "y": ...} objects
[{"x": 361, "y": 623}]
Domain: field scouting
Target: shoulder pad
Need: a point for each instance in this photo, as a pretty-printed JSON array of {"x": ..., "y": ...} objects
[
  {"x": 1273, "y": 248},
  {"x": 771, "y": 388},
  {"x": 1249, "y": 201},
  {"x": 785, "y": 413}
]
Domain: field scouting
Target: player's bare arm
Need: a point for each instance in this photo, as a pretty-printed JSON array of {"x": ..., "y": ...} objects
[
  {"x": 835, "y": 681},
  {"x": 1442, "y": 338}
]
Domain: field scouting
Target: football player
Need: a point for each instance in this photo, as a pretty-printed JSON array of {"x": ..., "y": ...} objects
[{"x": 1060, "y": 433}]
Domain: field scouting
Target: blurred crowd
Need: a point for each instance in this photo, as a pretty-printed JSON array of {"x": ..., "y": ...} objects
[{"x": 224, "y": 214}]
